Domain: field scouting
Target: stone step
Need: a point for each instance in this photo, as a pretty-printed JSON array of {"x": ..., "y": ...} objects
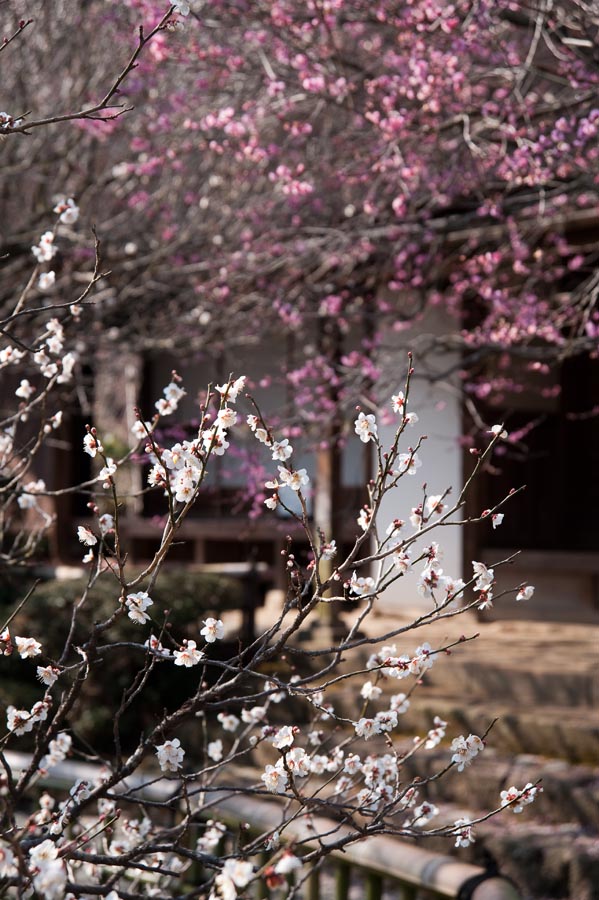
[
  {"x": 540, "y": 664},
  {"x": 570, "y": 793},
  {"x": 536, "y": 686},
  {"x": 551, "y": 731},
  {"x": 561, "y": 732}
]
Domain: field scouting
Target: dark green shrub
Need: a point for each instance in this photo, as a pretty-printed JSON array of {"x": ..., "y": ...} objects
[{"x": 187, "y": 596}]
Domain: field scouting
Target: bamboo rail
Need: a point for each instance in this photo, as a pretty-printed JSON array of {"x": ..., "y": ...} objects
[{"x": 408, "y": 872}]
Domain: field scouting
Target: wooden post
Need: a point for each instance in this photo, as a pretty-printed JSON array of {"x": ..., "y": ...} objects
[
  {"x": 314, "y": 884},
  {"x": 342, "y": 880},
  {"x": 374, "y": 886}
]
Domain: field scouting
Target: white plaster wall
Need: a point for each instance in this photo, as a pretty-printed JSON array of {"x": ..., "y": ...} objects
[{"x": 438, "y": 405}]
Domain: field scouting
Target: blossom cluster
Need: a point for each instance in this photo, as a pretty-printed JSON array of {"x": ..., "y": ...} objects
[{"x": 354, "y": 759}]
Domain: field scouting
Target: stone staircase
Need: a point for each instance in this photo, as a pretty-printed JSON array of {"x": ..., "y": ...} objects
[{"x": 541, "y": 681}]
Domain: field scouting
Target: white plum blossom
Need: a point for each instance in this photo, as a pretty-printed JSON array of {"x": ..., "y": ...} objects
[
  {"x": 215, "y": 441},
  {"x": 46, "y": 249},
  {"x": 184, "y": 485},
  {"x": 106, "y": 523},
  {"x": 294, "y": 480},
  {"x": 53, "y": 422},
  {"x": 498, "y": 431},
  {"x": 68, "y": 364},
  {"x": 399, "y": 703},
  {"x": 86, "y": 536},
  {"x": 48, "y": 675},
  {"x": 361, "y": 585},
  {"x": 298, "y": 762},
  {"x": 416, "y": 517},
  {"x": 50, "y": 876},
  {"x": 525, "y": 593},
  {"x": 409, "y": 462},
  {"x": 398, "y": 402},
  {"x": 486, "y": 598},
  {"x": 170, "y": 401},
  {"x": 518, "y": 799},
  {"x": 497, "y": 519},
  {"x": 91, "y": 444},
  {"x": 215, "y": 750},
  {"x": 188, "y": 655},
  {"x": 422, "y": 660},
  {"x": 58, "y": 750},
  {"x": 364, "y": 517},
  {"x": 213, "y": 630},
  {"x": 18, "y": 720},
  {"x": 8, "y": 866},
  {"x": 394, "y": 528},
  {"x": 173, "y": 393},
  {"x": 436, "y": 734},
  {"x": 281, "y": 450},
  {"x": 137, "y": 604},
  {"x": 27, "y": 647},
  {"x": 156, "y": 476},
  {"x": 465, "y": 749},
  {"x": 170, "y": 755},
  {"x": 232, "y": 389},
  {"x": 25, "y": 389},
  {"x": 435, "y": 505},
  {"x": 484, "y": 576},
  {"x": 398, "y": 667},
  {"x": 156, "y": 647},
  {"x": 424, "y": 813},
  {"x": 211, "y": 838},
  {"x": 10, "y": 355},
  {"x": 370, "y": 691},
  {"x": 39, "y": 710},
  {"x": 47, "y": 804},
  {"x": 273, "y": 842},
  {"x": 386, "y": 720},
  {"x": 352, "y": 764},
  {"x": 365, "y": 427},
  {"x": 43, "y": 853},
  {"x": 381, "y": 656},
  {"x": 46, "y": 281},
  {"x": 236, "y": 873},
  {"x": 181, "y": 7},
  {"x": 106, "y": 472},
  {"x": 464, "y": 833},
  {"x": 228, "y": 721},
  {"x": 254, "y": 715},
  {"x": 140, "y": 429},
  {"x": 275, "y": 779},
  {"x": 283, "y": 737},
  {"x": 429, "y": 581},
  {"x": 367, "y": 727},
  {"x": 6, "y": 645},
  {"x": 452, "y": 586},
  {"x": 287, "y": 863},
  {"x": 226, "y": 417},
  {"x": 401, "y": 559},
  {"x": 328, "y": 550},
  {"x": 318, "y": 763},
  {"x": 67, "y": 210}
]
